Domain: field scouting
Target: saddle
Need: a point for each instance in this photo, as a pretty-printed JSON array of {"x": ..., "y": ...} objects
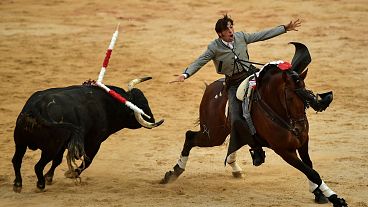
[{"x": 245, "y": 88}]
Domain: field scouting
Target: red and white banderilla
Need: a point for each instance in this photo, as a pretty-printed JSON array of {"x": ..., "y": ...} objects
[
  {"x": 102, "y": 74},
  {"x": 108, "y": 54}
]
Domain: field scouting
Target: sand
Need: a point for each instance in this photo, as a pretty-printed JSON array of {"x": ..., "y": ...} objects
[{"x": 58, "y": 43}]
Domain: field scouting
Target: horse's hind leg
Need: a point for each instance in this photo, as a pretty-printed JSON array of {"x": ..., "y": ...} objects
[
  {"x": 55, "y": 162},
  {"x": 20, "y": 150},
  {"x": 304, "y": 155},
  {"x": 199, "y": 139},
  {"x": 179, "y": 168},
  {"x": 292, "y": 158}
]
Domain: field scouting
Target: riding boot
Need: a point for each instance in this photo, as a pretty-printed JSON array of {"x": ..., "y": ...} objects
[
  {"x": 256, "y": 151},
  {"x": 318, "y": 102},
  {"x": 247, "y": 117}
]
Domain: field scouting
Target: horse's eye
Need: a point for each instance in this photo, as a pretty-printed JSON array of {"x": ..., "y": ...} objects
[{"x": 295, "y": 77}]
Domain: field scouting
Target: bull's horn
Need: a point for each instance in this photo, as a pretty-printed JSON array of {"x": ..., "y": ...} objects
[
  {"x": 134, "y": 82},
  {"x": 138, "y": 116},
  {"x": 145, "y": 123}
]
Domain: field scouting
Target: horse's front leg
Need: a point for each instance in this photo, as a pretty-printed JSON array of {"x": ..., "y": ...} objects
[
  {"x": 304, "y": 155},
  {"x": 292, "y": 158},
  {"x": 231, "y": 160}
]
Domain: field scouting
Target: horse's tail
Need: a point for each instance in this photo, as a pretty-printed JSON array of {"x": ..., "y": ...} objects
[{"x": 197, "y": 122}]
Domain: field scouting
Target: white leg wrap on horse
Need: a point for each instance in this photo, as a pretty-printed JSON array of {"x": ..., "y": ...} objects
[
  {"x": 231, "y": 160},
  {"x": 326, "y": 190},
  {"x": 312, "y": 186},
  {"x": 235, "y": 167},
  {"x": 182, "y": 162}
]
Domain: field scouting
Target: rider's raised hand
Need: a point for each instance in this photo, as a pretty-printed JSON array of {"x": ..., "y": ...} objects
[{"x": 293, "y": 25}]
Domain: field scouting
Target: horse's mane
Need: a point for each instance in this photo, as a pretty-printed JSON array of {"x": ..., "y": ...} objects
[{"x": 266, "y": 69}]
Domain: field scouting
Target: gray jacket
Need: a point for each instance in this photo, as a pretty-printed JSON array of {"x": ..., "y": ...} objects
[{"x": 223, "y": 57}]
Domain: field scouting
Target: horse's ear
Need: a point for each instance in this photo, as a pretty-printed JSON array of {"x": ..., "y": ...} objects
[{"x": 303, "y": 75}]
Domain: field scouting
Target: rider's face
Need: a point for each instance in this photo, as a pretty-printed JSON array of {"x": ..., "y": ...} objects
[{"x": 228, "y": 34}]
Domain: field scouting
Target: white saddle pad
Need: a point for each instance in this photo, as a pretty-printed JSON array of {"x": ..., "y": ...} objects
[{"x": 244, "y": 88}]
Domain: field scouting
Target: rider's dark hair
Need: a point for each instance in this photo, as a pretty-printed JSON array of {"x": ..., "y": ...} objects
[{"x": 221, "y": 24}]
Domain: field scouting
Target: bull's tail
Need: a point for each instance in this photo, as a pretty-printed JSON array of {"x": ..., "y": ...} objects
[
  {"x": 75, "y": 146},
  {"x": 75, "y": 141},
  {"x": 76, "y": 151}
]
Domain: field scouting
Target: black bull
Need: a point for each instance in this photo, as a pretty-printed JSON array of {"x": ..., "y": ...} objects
[
  {"x": 279, "y": 117},
  {"x": 78, "y": 118}
]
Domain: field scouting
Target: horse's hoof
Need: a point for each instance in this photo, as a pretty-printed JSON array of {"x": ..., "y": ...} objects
[
  {"x": 237, "y": 174},
  {"x": 319, "y": 197},
  {"x": 169, "y": 178},
  {"x": 337, "y": 202}
]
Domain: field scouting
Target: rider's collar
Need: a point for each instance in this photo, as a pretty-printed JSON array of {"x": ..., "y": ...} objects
[{"x": 229, "y": 44}]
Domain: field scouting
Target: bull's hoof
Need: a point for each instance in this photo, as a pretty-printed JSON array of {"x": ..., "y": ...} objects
[
  {"x": 17, "y": 187},
  {"x": 237, "y": 174},
  {"x": 71, "y": 174},
  {"x": 41, "y": 186},
  {"x": 48, "y": 179},
  {"x": 337, "y": 202},
  {"x": 319, "y": 197}
]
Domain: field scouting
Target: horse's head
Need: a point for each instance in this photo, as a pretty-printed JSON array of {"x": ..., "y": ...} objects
[{"x": 277, "y": 86}]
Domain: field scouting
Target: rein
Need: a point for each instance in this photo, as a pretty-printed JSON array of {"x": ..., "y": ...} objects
[
  {"x": 242, "y": 62},
  {"x": 271, "y": 113},
  {"x": 255, "y": 63}
]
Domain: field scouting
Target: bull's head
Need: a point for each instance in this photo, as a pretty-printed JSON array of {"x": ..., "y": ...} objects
[{"x": 143, "y": 103}]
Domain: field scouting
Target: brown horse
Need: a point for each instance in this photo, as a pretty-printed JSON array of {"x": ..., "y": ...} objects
[{"x": 279, "y": 117}]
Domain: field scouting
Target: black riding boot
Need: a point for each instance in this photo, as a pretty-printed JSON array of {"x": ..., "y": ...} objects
[
  {"x": 319, "y": 103},
  {"x": 256, "y": 151}
]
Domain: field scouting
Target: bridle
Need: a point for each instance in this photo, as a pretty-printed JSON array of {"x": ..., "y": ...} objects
[
  {"x": 294, "y": 121},
  {"x": 290, "y": 123}
]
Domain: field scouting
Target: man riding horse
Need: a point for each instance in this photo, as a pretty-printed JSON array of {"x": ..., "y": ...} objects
[{"x": 230, "y": 55}]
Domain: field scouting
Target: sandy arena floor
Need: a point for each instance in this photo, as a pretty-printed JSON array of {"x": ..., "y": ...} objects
[{"x": 54, "y": 43}]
